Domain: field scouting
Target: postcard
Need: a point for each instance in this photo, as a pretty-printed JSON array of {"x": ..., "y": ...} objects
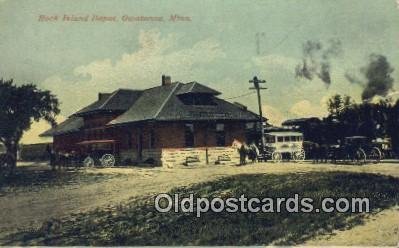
[{"x": 199, "y": 123}]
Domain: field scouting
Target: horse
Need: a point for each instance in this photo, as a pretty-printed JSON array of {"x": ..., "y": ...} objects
[
  {"x": 253, "y": 152},
  {"x": 250, "y": 151}
]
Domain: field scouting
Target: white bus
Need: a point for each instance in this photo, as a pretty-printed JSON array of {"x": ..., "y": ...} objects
[{"x": 285, "y": 142}]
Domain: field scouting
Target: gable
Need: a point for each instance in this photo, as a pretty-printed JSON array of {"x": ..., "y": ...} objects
[{"x": 119, "y": 100}]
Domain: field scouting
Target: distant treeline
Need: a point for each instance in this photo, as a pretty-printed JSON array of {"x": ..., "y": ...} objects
[
  {"x": 348, "y": 118},
  {"x": 34, "y": 152}
]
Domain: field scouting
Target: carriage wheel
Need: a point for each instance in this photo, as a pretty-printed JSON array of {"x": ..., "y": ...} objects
[
  {"x": 360, "y": 156},
  {"x": 6, "y": 164},
  {"x": 277, "y": 157},
  {"x": 88, "y": 162},
  {"x": 375, "y": 155},
  {"x": 107, "y": 160},
  {"x": 298, "y": 156}
]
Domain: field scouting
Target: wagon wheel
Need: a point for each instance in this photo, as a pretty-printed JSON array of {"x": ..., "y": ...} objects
[
  {"x": 360, "y": 156},
  {"x": 88, "y": 162},
  {"x": 375, "y": 155},
  {"x": 107, "y": 160},
  {"x": 277, "y": 157},
  {"x": 6, "y": 164},
  {"x": 298, "y": 156}
]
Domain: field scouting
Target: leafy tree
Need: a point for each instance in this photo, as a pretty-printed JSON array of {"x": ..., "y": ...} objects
[
  {"x": 19, "y": 106},
  {"x": 337, "y": 103},
  {"x": 334, "y": 105}
]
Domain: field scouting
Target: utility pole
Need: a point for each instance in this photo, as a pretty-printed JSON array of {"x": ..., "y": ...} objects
[{"x": 257, "y": 87}]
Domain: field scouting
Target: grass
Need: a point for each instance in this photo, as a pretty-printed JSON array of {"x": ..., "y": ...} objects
[{"x": 139, "y": 224}]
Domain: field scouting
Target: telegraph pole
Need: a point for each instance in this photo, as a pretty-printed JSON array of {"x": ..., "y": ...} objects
[{"x": 257, "y": 87}]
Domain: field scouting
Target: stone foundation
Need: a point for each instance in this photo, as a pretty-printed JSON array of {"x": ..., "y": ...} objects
[{"x": 192, "y": 156}]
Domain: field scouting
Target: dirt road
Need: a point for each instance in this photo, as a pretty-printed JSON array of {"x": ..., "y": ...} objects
[{"x": 27, "y": 209}]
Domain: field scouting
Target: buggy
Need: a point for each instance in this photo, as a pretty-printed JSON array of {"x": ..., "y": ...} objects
[
  {"x": 90, "y": 153},
  {"x": 357, "y": 149},
  {"x": 98, "y": 153}
]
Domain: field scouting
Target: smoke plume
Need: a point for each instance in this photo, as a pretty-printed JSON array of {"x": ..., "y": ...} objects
[
  {"x": 377, "y": 77},
  {"x": 316, "y": 60}
]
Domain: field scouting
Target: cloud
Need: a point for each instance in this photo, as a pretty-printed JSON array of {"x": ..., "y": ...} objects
[
  {"x": 155, "y": 56},
  {"x": 274, "y": 116},
  {"x": 305, "y": 108}
]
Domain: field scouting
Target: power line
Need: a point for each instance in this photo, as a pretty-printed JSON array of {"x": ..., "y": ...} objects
[{"x": 234, "y": 97}]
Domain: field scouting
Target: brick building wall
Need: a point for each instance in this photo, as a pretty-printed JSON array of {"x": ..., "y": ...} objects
[
  {"x": 163, "y": 142},
  {"x": 169, "y": 147},
  {"x": 67, "y": 142}
]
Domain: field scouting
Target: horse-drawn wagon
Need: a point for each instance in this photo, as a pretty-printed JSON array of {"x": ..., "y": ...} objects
[
  {"x": 91, "y": 153},
  {"x": 357, "y": 149}
]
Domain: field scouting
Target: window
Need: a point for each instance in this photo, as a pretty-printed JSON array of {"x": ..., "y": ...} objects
[
  {"x": 189, "y": 135},
  {"x": 286, "y": 138},
  {"x": 152, "y": 139},
  {"x": 220, "y": 135},
  {"x": 280, "y": 139},
  {"x": 270, "y": 139},
  {"x": 293, "y": 138},
  {"x": 250, "y": 125}
]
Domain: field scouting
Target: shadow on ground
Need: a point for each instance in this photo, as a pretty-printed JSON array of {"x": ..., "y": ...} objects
[
  {"x": 34, "y": 178},
  {"x": 139, "y": 224}
]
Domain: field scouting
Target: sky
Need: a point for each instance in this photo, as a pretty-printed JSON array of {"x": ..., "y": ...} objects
[{"x": 221, "y": 44}]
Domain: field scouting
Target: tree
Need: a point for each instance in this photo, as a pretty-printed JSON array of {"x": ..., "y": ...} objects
[
  {"x": 337, "y": 103},
  {"x": 393, "y": 126},
  {"x": 19, "y": 106}
]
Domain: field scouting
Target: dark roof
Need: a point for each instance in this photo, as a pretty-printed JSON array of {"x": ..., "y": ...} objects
[
  {"x": 300, "y": 121},
  {"x": 194, "y": 87},
  {"x": 72, "y": 124},
  {"x": 271, "y": 128},
  {"x": 163, "y": 103},
  {"x": 148, "y": 106},
  {"x": 119, "y": 100}
]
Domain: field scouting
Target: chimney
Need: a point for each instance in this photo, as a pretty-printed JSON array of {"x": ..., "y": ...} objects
[
  {"x": 166, "y": 80},
  {"x": 102, "y": 96}
]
